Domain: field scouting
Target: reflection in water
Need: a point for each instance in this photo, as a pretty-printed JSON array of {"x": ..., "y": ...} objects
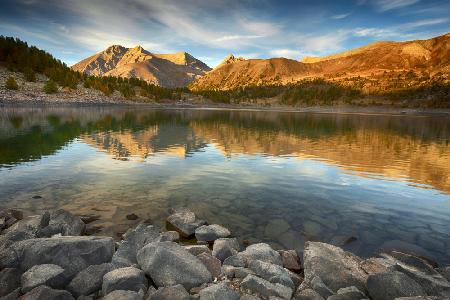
[{"x": 277, "y": 177}]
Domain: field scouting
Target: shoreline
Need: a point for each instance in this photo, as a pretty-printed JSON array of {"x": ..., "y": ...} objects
[{"x": 50, "y": 256}]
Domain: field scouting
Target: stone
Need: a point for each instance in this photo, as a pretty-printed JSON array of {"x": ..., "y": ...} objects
[
  {"x": 262, "y": 252},
  {"x": 175, "y": 292},
  {"x": 219, "y": 291},
  {"x": 63, "y": 222},
  {"x": 43, "y": 292},
  {"x": 265, "y": 288},
  {"x": 240, "y": 273},
  {"x": 89, "y": 280},
  {"x": 122, "y": 295},
  {"x": 47, "y": 274},
  {"x": 275, "y": 228},
  {"x": 197, "y": 249},
  {"x": 348, "y": 293},
  {"x": 392, "y": 285},
  {"x": 271, "y": 272},
  {"x": 210, "y": 233},
  {"x": 169, "y": 236},
  {"x": 234, "y": 261},
  {"x": 404, "y": 247},
  {"x": 307, "y": 294},
  {"x": 30, "y": 225},
  {"x": 375, "y": 265},
  {"x": 290, "y": 260},
  {"x": 168, "y": 263},
  {"x": 213, "y": 264},
  {"x": 334, "y": 266},
  {"x": 296, "y": 278},
  {"x": 445, "y": 272},
  {"x": 68, "y": 252},
  {"x": 14, "y": 295},
  {"x": 128, "y": 279},
  {"x": 419, "y": 298},
  {"x": 319, "y": 286},
  {"x": 9, "y": 280},
  {"x": 249, "y": 297},
  {"x": 133, "y": 241},
  {"x": 225, "y": 247},
  {"x": 184, "y": 221}
]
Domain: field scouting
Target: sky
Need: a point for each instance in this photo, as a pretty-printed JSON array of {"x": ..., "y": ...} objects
[{"x": 72, "y": 30}]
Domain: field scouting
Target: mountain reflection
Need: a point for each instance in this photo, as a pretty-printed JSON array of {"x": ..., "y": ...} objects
[{"x": 400, "y": 148}]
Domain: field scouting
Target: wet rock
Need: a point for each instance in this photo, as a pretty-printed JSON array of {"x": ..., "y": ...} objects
[
  {"x": 68, "y": 252},
  {"x": 392, "y": 285},
  {"x": 213, "y": 264},
  {"x": 271, "y": 272},
  {"x": 62, "y": 222},
  {"x": 210, "y": 233},
  {"x": 307, "y": 294},
  {"x": 397, "y": 245},
  {"x": 265, "y": 288},
  {"x": 176, "y": 292},
  {"x": 184, "y": 221},
  {"x": 235, "y": 261},
  {"x": 197, "y": 249},
  {"x": 122, "y": 295},
  {"x": 133, "y": 241},
  {"x": 45, "y": 293},
  {"x": 132, "y": 217},
  {"x": 335, "y": 267},
  {"x": 89, "y": 280},
  {"x": 290, "y": 260},
  {"x": 262, "y": 252},
  {"x": 50, "y": 275},
  {"x": 128, "y": 279},
  {"x": 225, "y": 247},
  {"x": 168, "y": 236},
  {"x": 168, "y": 263},
  {"x": 219, "y": 291},
  {"x": 9, "y": 280}
]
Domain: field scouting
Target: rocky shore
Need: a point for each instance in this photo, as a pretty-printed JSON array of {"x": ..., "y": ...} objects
[{"x": 50, "y": 256}]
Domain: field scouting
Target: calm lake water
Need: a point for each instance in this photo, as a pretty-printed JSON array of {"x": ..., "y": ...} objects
[{"x": 283, "y": 178}]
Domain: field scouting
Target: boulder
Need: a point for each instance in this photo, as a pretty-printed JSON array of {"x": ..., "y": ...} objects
[
  {"x": 168, "y": 236},
  {"x": 30, "y": 225},
  {"x": 296, "y": 278},
  {"x": 320, "y": 287},
  {"x": 14, "y": 295},
  {"x": 128, "y": 279},
  {"x": 348, "y": 293},
  {"x": 72, "y": 253},
  {"x": 210, "y": 233},
  {"x": 419, "y": 298},
  {"x": 184, "y": 221},
  {"x": 168, "y": 263},
  {"x": 49, "y": 275},
  {"x": 290, "y": 260},
  {"x": 262, "y": 252},
  {"x": 445, "y": 272},
  {"x": 249, "y": 297},
  {"x": 43, "y": 292},
  {"x": 225, "y": 247},
  {"x": 175, "y": 292},
  {"x": 334, "y": 266},
  {"x": 271, "y": 272},
  {"x": 392, "y": 285},
  {"x": 213, "y": 264},
  {"x": 307, "y": 294},
  {"x": 123, "y": 295},
  {"x": 375, "y": 265},
  {"x": 62, "y": 222},
  {"x": 9, "y": 280},
  {"x": 265, "y": 288},
  {"x": 197, "y": 249},
  {"x": 89, "y": 280},
  {"x": 133, "y": 241},
  {"x": 219, "y": 291},
  {"x": 235, "y": 261}
]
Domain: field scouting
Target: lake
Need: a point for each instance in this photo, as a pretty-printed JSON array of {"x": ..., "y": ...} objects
[{"x": 365, "y": 182}]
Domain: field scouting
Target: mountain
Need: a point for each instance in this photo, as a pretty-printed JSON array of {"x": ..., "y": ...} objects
[
  {"x": 372, "y": 61},
  {"x": 167, "y": 70}
]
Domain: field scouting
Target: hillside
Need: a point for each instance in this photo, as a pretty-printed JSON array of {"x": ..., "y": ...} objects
[
  {"x": 167, "y": 70},
  {"x": 378, "y": 62}
]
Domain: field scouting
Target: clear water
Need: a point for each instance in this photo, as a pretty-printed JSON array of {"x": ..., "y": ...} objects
[{"x": 283, "y": 178}]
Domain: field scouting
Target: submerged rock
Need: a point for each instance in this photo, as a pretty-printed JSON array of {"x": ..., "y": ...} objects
[
  {"x": 184, "y": 221},
  {"x": 50, "y": 275},
  {"x": 210, "y": 233}
]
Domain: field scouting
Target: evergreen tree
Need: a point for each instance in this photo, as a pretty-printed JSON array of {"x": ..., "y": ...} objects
[{"x": 50, "y": 87}]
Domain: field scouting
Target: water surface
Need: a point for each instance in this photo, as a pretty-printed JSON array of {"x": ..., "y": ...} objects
[{"x": 283, "y": 178}]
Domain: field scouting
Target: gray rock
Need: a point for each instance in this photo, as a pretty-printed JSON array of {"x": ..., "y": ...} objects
[
  {"x": 210, "y": 233},
  {"x": 296, "y": 279},
  {"x": 320, "y": 287},
  {"x": 50, "y": 275},
  {"x": 392, "y": 285},
  {"x": 234, "y": 261},
  {"x": 420, "y": 298},
  {"x": 262, "y": 252},
  {"x": 265, "y": 288},
  {"x": 122, "y": 295},
  {"x": 175, "y": 292},
  {"x": 168, "y": 263},
  {"x": 89, "y": 280},
  {"x": 348, "y": 293},
  {"x": 375, "y": 265},
  {"x": 219, "y": 291},
  {"x": 334, "y": 266},
  {"x": 133, "y": 241},
  {"x": 213, "y": 264},
  {"x": 307, "y": 294},
  {"x": 225, "y": 247},
  {"x": 14, "y": 295},
  {"x": 197, "y": 249},
  {"x": 168, "y": 236},
  {"x": 249, "y": 297},
  {"x": 272, "y": 273},
  {"x": 45, "y": 293},
  {"x": 63, "y": 222},
  {"x": 445, "y": 272},
  {"x": 72, "y": 253},
  {"x": 128, "y": 279},
  {"x": 290, "y": 260},
  {"x": 184, "y": 221},
  {"x": 239, "y": 272},
  {"x": 30, "y": 225},
  {"x": 9, "y": 280}
]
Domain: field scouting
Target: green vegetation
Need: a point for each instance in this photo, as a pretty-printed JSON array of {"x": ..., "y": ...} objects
[
  {"x": 30, "y": 75},
  {"x": 50, "y": 87},
  {"x": 11, "y": 84}
]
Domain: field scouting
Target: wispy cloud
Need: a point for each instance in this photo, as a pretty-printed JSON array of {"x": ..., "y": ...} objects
[
  {"x": 341, "y": 16},
  {"x": 385, "y": 5},
  {"x": 287, "y": 53}
]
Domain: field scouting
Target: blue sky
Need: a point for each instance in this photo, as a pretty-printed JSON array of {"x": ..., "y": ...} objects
[{"x": 211, "y": 29}]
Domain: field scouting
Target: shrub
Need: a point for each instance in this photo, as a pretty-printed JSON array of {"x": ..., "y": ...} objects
[
  {"x": 11, "y": 84},
  {"x": 30, "y": 75},
  {"x": 50, "y": 87}
]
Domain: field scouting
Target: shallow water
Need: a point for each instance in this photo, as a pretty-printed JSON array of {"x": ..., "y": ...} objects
[{"x": 283, "y": 178}]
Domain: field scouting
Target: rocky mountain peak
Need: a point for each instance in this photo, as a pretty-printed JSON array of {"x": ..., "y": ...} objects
[{"x": 230, "y": 59}]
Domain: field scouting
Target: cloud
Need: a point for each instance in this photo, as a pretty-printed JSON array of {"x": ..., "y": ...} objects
[
  {"x": 385, "y": 5},
  {"x": 237, "y": 37},
  {"x": 428, "y": 22},
  {"x": 341, "y": 16},
  {"x": 287, "y": 53}
]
